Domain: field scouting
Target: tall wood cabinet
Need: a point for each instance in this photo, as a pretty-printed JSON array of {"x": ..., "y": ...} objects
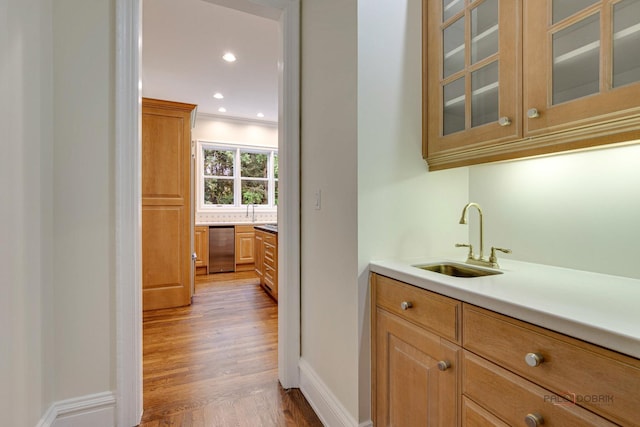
[
  {"x": 166, "y": 204},
  {"x": 513, "y": 78}
]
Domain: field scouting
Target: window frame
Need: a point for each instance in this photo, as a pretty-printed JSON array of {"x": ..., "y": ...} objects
[{"x": 237, "y": 179}]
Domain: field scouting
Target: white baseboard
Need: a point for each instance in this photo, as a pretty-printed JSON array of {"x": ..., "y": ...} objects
[
  {"x": 323, "y": 401},
  {"x": 95, "y": 410}
]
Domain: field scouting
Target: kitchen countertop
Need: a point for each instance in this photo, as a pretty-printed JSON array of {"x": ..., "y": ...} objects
[
  {"x": 231, "y": 224},
  {"x": 597, "y": 308},
  {"x": 269, "y": 228}
]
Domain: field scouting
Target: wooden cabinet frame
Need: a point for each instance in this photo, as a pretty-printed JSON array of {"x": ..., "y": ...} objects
[{"x": 611, "y": 116}]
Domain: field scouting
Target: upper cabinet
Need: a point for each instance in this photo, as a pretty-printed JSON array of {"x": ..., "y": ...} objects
[
  {"x": 514, "y": 78},
  {"x": 473, "y": 74}
]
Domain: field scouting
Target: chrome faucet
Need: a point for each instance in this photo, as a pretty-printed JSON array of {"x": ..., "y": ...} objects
[
  {"x": 480, "y": 260},
  {"x": 253, "y": 212}
]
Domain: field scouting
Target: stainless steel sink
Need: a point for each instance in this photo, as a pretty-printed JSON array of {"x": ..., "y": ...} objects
[{"x": 457, "y": 270}]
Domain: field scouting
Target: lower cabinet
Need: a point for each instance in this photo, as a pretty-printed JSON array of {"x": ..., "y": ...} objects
[
  {"x": 502, "y": 372},
  {"x": 244, "y": 236},
  {"x": 416, "y": 372},
  {"x": 201, "y": 247},
  {"x": 266, "y": 261}
]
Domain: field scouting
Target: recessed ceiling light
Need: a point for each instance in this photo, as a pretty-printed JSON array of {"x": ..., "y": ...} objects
[
  {"x": 218, "y": 95},
  {"x": 222, "y": 110},
  {"x": 260, "y": 115},
  {"x": 229, "y": 57}
]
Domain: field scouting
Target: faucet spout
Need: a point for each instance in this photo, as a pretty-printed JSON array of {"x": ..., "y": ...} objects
[{"x": 463, "y": 220}]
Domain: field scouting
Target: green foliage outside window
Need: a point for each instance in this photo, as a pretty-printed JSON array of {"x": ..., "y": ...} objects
[{"x": 253, "y": 176}]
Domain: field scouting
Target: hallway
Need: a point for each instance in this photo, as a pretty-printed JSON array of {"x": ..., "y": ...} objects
[{"x": 215, "y": 363}]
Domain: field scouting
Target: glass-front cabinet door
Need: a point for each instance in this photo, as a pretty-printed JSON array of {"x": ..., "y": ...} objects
[
  {"x": 472, "y": 73},
  {"x": 581, "y": 63}
]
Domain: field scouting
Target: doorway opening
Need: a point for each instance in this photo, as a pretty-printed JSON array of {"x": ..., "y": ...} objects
[{"x": 128, "y": 233}]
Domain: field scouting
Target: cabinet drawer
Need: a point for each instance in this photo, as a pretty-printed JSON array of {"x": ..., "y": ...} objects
[
  {"x": 269, "y": 253},
  {"x": 512, "y": 398},
  {"x": 270, "y": 238},
  {"x": 603, "y": 381},
  {"x": 432, "y": 311},
  {"x": 474, "y": 415},
  {"x": 244, "y": 229}
]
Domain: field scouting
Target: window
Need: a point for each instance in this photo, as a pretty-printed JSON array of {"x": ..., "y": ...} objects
[{"x": 238, "y": 176}]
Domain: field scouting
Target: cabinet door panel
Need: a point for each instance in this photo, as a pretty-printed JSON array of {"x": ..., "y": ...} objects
[
  {"x": 581, "y": 67},
  {"x": 411, "y": 390},
  {"x": 472, "y": 77}
]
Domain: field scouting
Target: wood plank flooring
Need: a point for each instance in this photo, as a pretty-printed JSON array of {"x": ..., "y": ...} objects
[{"x": 215, "y": 363}]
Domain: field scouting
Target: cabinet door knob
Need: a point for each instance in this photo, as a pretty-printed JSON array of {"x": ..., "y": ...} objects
[
  {"x": 534, "y": 359},
  {"x": 406, "y": 305},
  {"x": 504, "y": 121},
  {"x": 533, "y": 113},
  {"x": 443, "y": 365},
  {"x": 533, "y": 420}
]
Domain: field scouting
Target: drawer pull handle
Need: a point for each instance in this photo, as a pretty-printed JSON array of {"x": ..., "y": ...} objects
[
  {"x": 533, "y": 420},
  {"x": 443, "y": 365},
  {"x": 534, "y": 359},
  {"x": 406, "y": 305},
  {"x": 533, "y": 113}
]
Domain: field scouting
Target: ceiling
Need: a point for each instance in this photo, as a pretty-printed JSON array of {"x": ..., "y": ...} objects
[{"x": 182, "y": 47}]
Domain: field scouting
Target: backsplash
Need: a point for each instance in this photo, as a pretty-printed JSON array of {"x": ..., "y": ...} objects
[{"x": 206, "y": 218}]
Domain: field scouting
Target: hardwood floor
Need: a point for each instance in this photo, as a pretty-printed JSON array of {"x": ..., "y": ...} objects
[{"x": 215, "y": 363}]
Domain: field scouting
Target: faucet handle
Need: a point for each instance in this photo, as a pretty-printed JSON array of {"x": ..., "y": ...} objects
[
  {"x": 466, "y": 245},
  {"x": 493, "y": 258}
]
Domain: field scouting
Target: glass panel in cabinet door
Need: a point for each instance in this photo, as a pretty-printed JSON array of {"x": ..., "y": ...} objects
[
  {"x": 484, "y": 95},
  {"x": 626, "y": 42},
  {"x": 565, "y": 8},
  {"x": 484, "y": 30},
  {"x": 576, "y": 60},
  {"x": 450, "y": 8},
  {"x": 453, "y": 48},
  {"x": 454, "y": 106}
]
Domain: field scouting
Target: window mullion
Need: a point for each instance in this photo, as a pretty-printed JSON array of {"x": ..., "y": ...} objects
[{"x": 237, "y": 179}]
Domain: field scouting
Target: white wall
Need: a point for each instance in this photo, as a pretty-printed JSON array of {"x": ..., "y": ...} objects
[
  {"x": 403, "y": 211},
  {"x": 329, "y": 164},
  {"x": 577, "y": 210},
  {"x": 25, "y": 211},
  {"x": 83, "y": 197},
  {"x": 215, "y": 129},
  {"x": 361, "y": 146}
]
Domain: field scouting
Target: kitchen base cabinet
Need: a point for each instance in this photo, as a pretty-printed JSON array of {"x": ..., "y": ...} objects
[
  {"x": 201, "y": 247},
  {"x": 415, "y": 371},
  {"x": 244, "y": 236},
  {"x": 499, "y": 371},
  {"x": 266, "y": 261},
  {"x": 258, "y": 251},
  {"x": 576, "y": 373}
]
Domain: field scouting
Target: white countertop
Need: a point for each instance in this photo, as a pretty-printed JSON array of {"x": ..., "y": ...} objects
[
  {"x": 231, "y": 223},
  {"x": 598, "y": 308}
]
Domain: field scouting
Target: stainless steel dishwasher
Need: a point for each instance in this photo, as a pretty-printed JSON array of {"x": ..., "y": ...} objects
[{"x": 221, "y": 249}]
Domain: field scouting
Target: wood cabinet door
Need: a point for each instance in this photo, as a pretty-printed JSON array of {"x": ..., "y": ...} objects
[
  {"x": 472, "y": 74},
  {"x": 202, "y": 248},
  {"x": 581, "y": 66},
  {"x": 245, "y": 241},
  {"x": 410, "y": 390},
  {"x": 166, "y": 204},
  {"x": 258, "y": 250}
]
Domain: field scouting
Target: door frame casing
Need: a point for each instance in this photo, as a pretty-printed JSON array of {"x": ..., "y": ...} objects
[{"x": 128, "y": 234}]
